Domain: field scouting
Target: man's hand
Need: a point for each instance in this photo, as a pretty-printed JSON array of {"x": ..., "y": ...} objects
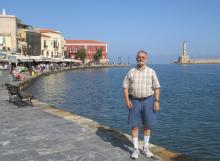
[
  {"x": 127, "y": 100},
  {"x": 156, "y": 106},
  {"x": 128, "y": 104}
]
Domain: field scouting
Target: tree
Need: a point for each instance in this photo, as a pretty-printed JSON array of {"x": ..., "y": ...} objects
[
  {"x": 98, "y": 55},
  {"x": 81, "y": 54}
]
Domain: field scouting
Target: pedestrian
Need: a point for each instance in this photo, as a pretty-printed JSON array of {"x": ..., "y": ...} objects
[{"x": 141, "y": 96}]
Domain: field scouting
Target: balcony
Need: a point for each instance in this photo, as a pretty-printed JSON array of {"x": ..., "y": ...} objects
[{"x": 20, "y": 38}]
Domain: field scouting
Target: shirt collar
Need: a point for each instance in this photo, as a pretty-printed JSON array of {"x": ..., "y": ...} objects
[{"x": 138, "y": 68}]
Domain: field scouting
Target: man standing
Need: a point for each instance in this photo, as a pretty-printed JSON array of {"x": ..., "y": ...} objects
[{"x": 141, "y": 95}]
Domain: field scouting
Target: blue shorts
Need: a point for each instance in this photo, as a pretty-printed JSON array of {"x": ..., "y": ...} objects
[{"x": 142, "y": 113}]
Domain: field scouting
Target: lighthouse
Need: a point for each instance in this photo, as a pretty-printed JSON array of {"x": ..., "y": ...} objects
[
  {"x": 184, "y": 57},
  {"x": 3, "y": 12},
  {"x": 184, "y": 49}
]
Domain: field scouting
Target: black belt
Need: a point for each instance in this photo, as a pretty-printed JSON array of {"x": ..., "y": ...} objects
[{"x": 139, "y": 99}]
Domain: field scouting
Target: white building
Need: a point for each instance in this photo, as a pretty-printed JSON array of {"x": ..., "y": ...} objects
[
  {"x": 8, "y": 32},
  {"x": 52, "y": 44}
]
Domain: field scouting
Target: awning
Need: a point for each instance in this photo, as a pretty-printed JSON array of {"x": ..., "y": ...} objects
[
  {"x": 12, "y": 58},
  {"x": 47, "y": 60},
  {"x": 67, "y": 60},
  {"x": 4, "y": 60},
  {"x": 22, "y": 58},
  {"x": 56, "y": 60},
  {"x": 37, "y": 58},
  {"x": 25, "y": 60},
  {"x": 76, "y": 61}
]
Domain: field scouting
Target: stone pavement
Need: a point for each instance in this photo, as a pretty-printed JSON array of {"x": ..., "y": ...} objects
[{"x": 32, "y": 134}]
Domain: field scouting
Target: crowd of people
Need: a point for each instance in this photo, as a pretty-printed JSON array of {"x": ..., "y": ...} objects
[
  {"x": 21, "y": 71},
  {"x": 24, "y": 70},
  {"x": 3, "y": 65}
]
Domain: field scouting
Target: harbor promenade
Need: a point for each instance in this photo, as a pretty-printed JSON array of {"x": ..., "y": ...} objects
[
  {"x": 45, "y": 133},
  {"x": 42, "y": 133}
]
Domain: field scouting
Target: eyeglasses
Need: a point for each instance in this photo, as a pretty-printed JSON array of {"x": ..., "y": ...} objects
[{"x": 141, "y": 57}]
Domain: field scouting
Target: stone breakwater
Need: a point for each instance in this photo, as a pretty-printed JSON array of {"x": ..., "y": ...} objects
[
  {"x": 204, "y": 61},
  {"x": 187, "y": 60},
  {"x": 118, "y": 141}
]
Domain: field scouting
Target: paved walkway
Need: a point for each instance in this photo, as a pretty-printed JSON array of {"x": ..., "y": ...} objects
[{"x": 32, "y": 134}]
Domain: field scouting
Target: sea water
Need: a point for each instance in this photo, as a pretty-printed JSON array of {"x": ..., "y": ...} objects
[{"x": 189, "y": 116}]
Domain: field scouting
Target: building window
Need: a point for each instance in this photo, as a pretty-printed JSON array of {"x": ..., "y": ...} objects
[
  {"x": 2, "y": 40},
  {"x": 55, "y": 44},
  {"x": 45, "y": 44}
]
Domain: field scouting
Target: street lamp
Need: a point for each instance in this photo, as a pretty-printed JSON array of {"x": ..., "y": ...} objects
[{"x": 29, "y": 52}]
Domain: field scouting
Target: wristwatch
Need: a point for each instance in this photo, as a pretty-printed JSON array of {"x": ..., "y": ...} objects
[{"x": 156, "y": 101}]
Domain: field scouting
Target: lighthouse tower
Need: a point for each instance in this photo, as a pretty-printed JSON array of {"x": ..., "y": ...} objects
[
  {"x": 184, "y": 49},
  {"x": 184, "y": 58},
  {"x": 3, "y": 12}
]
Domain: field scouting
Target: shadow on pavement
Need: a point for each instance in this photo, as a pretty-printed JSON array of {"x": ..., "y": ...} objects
[
  {"x": 115, "y": 138},
  {"x": 19, "y": 103}
]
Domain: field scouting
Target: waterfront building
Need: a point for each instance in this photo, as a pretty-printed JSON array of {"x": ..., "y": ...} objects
[
  {"x": 8, "y": 32},
  {"x": 90, "y": 46},
  {"x": 23, "y": 43},
  {"x": 52, "y": 44},
  {"x": 18, "y": 38},
  {"x": 29, "y": 41}
]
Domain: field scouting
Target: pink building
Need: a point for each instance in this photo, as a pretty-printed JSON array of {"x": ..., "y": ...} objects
[{"x": 91, "y": 47}]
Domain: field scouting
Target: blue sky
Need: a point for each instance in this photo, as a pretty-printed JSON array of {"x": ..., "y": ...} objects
[{"x": 157, "y": 26}]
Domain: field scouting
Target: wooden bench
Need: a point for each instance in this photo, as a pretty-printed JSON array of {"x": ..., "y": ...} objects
[{"x": 16, "y": 95}]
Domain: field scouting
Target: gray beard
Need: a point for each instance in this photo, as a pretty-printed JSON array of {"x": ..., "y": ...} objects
[{"x": 140, "y": 63}]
